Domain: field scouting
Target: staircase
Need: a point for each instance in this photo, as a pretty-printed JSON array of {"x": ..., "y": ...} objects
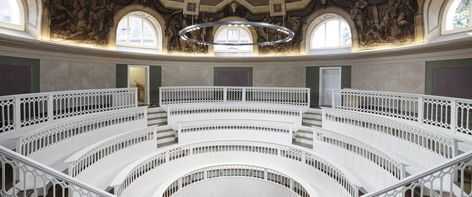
[
  {"x": 312, "y": 118},
  {"x": 304, "y": 136},
  {"x": 166, "y": 136},
  {"x": 156, "y": 116}
]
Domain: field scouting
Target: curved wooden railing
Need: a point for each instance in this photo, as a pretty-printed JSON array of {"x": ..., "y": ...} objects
[
  {"x": 245, "y": 171},
  {"x": 59, "y": 132},
  {"x": 139, "y": 168},
  {"x": 18, "y": 111},
  {"x": 209, "y": 94},
  {"x": 434, "y": 142},
  {"x": 29, "y": 174},
  {"x": 446, "y": 113}
]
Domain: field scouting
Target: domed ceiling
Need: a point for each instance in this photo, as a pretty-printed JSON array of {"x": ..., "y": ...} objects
[{"x": 376, "y": 22}]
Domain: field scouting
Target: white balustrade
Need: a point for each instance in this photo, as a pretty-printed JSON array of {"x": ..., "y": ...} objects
[
  {"x": 91, "y": 155},
  {"x": 18, "y": 111},
  {"x": 22, "y": 176},
  {"x": 208, "y": 94},
  {"x": 378, "y": 157},
  {"x": 236, "y": 129},
  {"x": 234, "y": 110},
  {"x": 451, "y": 178},
  {"x": 439, "y": 144},
  {"x": 141, "y": 167},
  {"x": 61, "y": 131},
  {"x": 453, "y": 115},
  {"x": 245, "y": 171}
]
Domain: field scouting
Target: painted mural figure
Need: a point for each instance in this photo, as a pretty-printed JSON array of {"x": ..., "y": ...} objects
[{"x": 90, "y": 21}]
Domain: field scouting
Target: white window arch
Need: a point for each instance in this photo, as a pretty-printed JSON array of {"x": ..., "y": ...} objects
[
  {"x": 458, "y": 16},
  {"x": 233, "y": 34},
  {"x": 329, "y": 32},
  {"x": 139, "y": 32},
  {"x": 12, "y": 14}
]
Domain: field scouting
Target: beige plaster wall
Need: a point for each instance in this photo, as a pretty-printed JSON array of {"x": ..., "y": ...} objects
[
  {"x": 57, "y": 75},
  {"x": 279, "y": 76},
  {"x": 177, "y": 75},
  {"x": 396, "y": 77}
]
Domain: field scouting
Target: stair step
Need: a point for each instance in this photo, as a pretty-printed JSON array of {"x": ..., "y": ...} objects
[
  {"x": 157, "y": 124},
  {"x": 167, "y": 143},
  {"x": 165, "y": 140},
  {"x": 310, "y": 146},
  {"x": 157, "y": 115},
  {"x": 304, "y": 137},
  {"x": 165, "y": 131},
  {"x": 305, "y": 131},
  {"x": 165, "y": 137},
  {"x": 156, "y": 118}
]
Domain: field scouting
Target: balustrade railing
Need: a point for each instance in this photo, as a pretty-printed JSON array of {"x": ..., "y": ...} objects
[
  {"x": 436, "y": 143},
  {"x": 205, "y": 94},
  {"x": 22, "y": 176},
  {"x": 372, "y": 154},
  {"x": 452, "y": 114},
  {"x": 234, "y": 108},
  {"x": 91, "y": 155},
  {"x": 24, "y": 110},
  {"x": 55, "y": 133},
  {"x": 452, "y": 178},
  {"x": 222, "y": 124},
  {"x": 236, "y": 171},
  {"x": 147, "y": 164}
]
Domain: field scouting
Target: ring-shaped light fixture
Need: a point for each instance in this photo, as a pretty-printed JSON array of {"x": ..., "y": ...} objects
[{"x": 289, "y": 33}]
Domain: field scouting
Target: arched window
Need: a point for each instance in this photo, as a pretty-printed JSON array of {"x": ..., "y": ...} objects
[
  {"x": 12, "y": 14},
  {"x": 139, "y": 32},
  {"x": 458, "y": 17},
  {"x": 330, "y": 31},
  {"x": 233, "y": 34}
]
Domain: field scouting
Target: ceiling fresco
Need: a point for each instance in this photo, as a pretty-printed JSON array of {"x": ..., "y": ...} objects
[{"x": 378, "y": 22}]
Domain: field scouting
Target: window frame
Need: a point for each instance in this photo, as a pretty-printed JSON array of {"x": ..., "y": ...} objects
[
  {"x": 445, "y": 17},
  {"x": 240, "y": 53},
  {"x": 318, "y": 23},
  {"x": 151, "y": 22},
  {"x": 22, "y": 13}
]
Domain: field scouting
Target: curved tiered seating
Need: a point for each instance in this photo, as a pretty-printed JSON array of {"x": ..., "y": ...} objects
[
  {"x": 420, "y": 147},
  {"x": 170, "y": 164},
  {"x": 109, "y": 156},
  {"x": 372, "y": 140},
  {"x": 287, "y": 185},
  {"x": 234, "y": 129}
]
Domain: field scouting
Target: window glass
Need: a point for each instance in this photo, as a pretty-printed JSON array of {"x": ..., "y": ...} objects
[
  {"x": 458, "y": 15},
  {"x": 137, "y": 30},
  {"x": 10, "y": 13},
  {"x": 331, "y": 31},
  {"x": 229, "y": 34}
]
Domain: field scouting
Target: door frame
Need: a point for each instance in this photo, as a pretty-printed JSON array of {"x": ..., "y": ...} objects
[
  {"x": 146, "y": 89},
  {"x": 320, "y": 98}
]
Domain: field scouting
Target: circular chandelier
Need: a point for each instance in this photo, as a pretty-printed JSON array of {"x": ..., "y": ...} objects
[{"x": 289, "y": 34}]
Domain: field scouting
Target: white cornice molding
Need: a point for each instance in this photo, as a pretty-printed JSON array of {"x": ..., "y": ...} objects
[{"x": 23, "y": 47}]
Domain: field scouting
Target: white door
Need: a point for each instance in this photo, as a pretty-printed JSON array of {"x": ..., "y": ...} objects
[{"x": 330, "y": 82}]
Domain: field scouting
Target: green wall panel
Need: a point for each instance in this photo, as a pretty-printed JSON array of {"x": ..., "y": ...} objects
[
  {"x": 155, "y": 76},
  {"x": 219, "y": 71},
  {"x": 431, "y": 65},
  {"x": 33, "y": 63},
  {"x": 121, "y": 75}
]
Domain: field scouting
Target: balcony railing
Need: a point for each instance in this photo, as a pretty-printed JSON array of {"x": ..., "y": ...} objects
[
  {"x": 451, "y": 178},
  {"x": 206, "y": 94},
  {"x": 22, "y": 176},
  {"x": 24, "y": 110},
  {"x": 447, "y": 113}
]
